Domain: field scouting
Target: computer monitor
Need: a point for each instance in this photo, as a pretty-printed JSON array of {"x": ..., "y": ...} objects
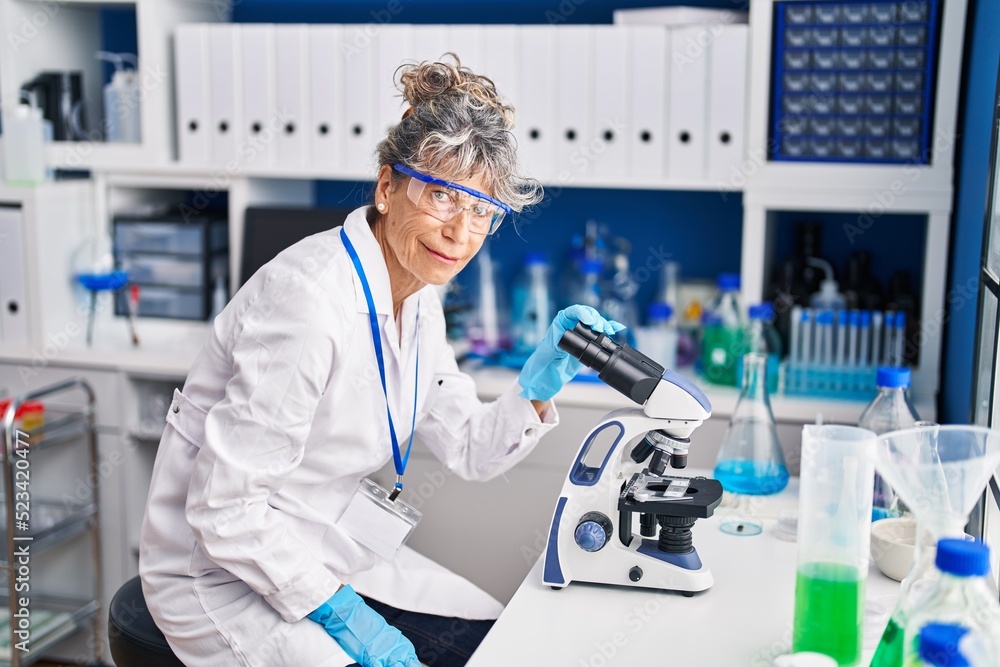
[{"x": 267, "y": 231}]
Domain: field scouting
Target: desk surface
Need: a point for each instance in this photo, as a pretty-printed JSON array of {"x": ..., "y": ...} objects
[{"x": 745, "y": 619}]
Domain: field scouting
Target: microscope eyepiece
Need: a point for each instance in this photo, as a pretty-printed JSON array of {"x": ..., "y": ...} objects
[{"x": 619, "y": 366}]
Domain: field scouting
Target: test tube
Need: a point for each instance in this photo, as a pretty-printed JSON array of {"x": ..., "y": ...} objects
[
  {"x": 876, "y": 338},
  {"x": 807, "y": 336},
  {"x": 865, "y": 330},
  {"x": 827, "y": 337},
  {"x": 888, "y": 329},
  {"x": 794, "y": 353},
  {"x": 841, "y": 337},
  {"x": 852, "y": 339},
  {"x": 900, "y": 336}
]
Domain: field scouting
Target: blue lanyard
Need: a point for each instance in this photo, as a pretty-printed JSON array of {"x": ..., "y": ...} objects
[{"x": 398, "y": 460}]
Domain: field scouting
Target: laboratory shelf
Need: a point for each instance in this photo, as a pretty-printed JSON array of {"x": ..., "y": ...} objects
[
  {"x": 57, "y": 617},
  {"x": 53, "y": 523}
]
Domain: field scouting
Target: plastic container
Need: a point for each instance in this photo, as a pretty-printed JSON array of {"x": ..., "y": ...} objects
[
  {"x": 25, "y": 133},
  {"x": 750, "y": 460},
  {"x": 658, "y": 339},
  {"x": 833, "y": 541},
  {"x": 122, "y": 99},
  {"x": 722, "y": 342},
  {"x": 587, "y": 290},
  {"x": 950, "y": 645},
  {"x": 891, "y": 410},
  {"x": 29, "y": 416},
  {"x": 963, "y": 596},
  {"x": 828, "y": 297},
  {"x": 531, "y": 304}
]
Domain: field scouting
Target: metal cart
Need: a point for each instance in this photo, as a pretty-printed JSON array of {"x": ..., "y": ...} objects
[{"x": 37, "y": 620}]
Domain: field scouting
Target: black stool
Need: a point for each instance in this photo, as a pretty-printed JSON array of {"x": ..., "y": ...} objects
[{"x": 135, "y": 639}]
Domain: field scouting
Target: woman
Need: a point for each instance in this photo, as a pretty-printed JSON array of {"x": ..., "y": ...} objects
[{"x": 248, "y": 556}]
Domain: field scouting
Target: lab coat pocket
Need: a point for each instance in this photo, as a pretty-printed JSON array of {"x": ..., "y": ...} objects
[{"x": 187, "y": 418}]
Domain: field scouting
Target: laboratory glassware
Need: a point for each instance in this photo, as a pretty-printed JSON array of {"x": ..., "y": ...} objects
[
  {"x": 939, "y": 472},
  {"x": 891, "y": 410},
  {"x": 762, "y": 338},
  {"x": 531, "y": 304},
  {"x": 834, "y": 533},
  {"x": 750, "y": 460},
  {"x": 963, "y": 595}
]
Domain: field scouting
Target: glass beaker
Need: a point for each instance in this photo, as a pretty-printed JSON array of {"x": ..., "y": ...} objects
[
  {"x": 939, "y": 472},
  {"x": 835, "y": 507},
  {"x": 750, "y": 460}
]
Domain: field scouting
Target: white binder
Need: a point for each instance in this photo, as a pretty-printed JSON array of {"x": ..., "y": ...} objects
[
  {"x": 225, "y": 90},
  {"x": 429, "y": 43},
  {"x": 261, "y": 122},
  {"x": 359, "y": 55},
  {"x": 501, "y": 63},
  {"x": 469, "y": 42},
  {"x": 611, "y": 55},
  {"x": 14, "y": 328},
  {"x": 535, "y": 128},
  {"x": 291, "y": 50},
  {"x": 575, "y": 156},
  {"x": 648, "y": 76},
  {"x": 326, "y": 97},
  {"x": 728, "y": 72},
  {"x": 686, "y": 105},
  {"x": 190, "y": 53},
  {"x": 395, "y": 46}
]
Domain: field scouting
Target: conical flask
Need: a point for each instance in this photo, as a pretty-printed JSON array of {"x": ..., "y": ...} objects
[
  {"x": 750, "y": 460},
  {"x": 939, "y": 472}
]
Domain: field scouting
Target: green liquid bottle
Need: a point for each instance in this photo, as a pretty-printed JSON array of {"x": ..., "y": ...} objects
[
  {"x": 890, "y": 649},
  {"x": 829, "y": 611}
]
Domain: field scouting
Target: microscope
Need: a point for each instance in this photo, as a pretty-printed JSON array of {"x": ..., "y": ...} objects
[{"x": 621, "y": 471}]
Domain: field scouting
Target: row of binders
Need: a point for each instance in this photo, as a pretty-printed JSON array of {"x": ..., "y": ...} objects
[{"x": 593, "y": 103}]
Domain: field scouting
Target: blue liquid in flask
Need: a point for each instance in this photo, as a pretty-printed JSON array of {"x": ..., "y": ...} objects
[{"x": 755, "y": 478}]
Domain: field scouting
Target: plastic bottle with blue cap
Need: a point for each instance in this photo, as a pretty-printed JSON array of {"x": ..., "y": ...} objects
[
  {"x": 963, "y": 596},
  {"x": 722, "y": 341},
  {"x": 891, "y": 410}
]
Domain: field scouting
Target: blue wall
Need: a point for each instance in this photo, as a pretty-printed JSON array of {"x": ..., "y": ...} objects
[{"x": 970, "y": 205}]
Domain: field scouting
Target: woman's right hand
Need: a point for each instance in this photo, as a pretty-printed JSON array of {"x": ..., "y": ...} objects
[
  {"x": 549, "y": 367},
  {"x": 363, "y": 633}
]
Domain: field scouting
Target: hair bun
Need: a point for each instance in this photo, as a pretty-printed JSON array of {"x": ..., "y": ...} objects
[{"x": 422, "y": 83}]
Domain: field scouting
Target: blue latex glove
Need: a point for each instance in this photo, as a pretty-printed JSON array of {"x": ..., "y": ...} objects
[
  {"x": 549, "y": 368},
  {"x": 363, "y": 633}
]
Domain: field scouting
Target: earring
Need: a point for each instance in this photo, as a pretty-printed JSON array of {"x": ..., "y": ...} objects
[{"x": 381, "y": 208}]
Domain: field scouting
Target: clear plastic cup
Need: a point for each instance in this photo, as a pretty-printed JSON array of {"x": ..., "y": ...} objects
[{"x": 835, "y": 505}]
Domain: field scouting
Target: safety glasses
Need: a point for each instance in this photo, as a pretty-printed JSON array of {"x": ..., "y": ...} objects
[{"x": 444, "y": 200}]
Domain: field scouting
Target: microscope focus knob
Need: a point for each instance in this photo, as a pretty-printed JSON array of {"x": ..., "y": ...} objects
[
  {"x": 635, "y": 574},
  {"x": 593, "y": 531}
]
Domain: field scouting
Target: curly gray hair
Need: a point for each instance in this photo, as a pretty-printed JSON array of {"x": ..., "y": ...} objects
[{"x": 457, "y": 127}]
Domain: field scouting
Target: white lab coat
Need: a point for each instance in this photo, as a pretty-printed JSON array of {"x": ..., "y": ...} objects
[{"x": 281, "y": 416}]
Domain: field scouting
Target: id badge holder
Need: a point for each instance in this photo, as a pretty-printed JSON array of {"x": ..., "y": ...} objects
[{"x": 376, "y": 522}]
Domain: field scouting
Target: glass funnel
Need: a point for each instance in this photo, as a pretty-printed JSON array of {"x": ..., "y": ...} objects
[
  {"x": 750, "y": 460},
  {"x": 939, "y": 472}
]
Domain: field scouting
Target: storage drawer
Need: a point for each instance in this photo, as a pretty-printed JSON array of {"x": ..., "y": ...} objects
[
  {"x": 171, "y": 236},
  {"x": 167, "y": 271},
  {"x": 172, "y": 302}
]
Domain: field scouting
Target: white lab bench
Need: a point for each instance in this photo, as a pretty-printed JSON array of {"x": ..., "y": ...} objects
[{"x": 745, "y": 619}]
